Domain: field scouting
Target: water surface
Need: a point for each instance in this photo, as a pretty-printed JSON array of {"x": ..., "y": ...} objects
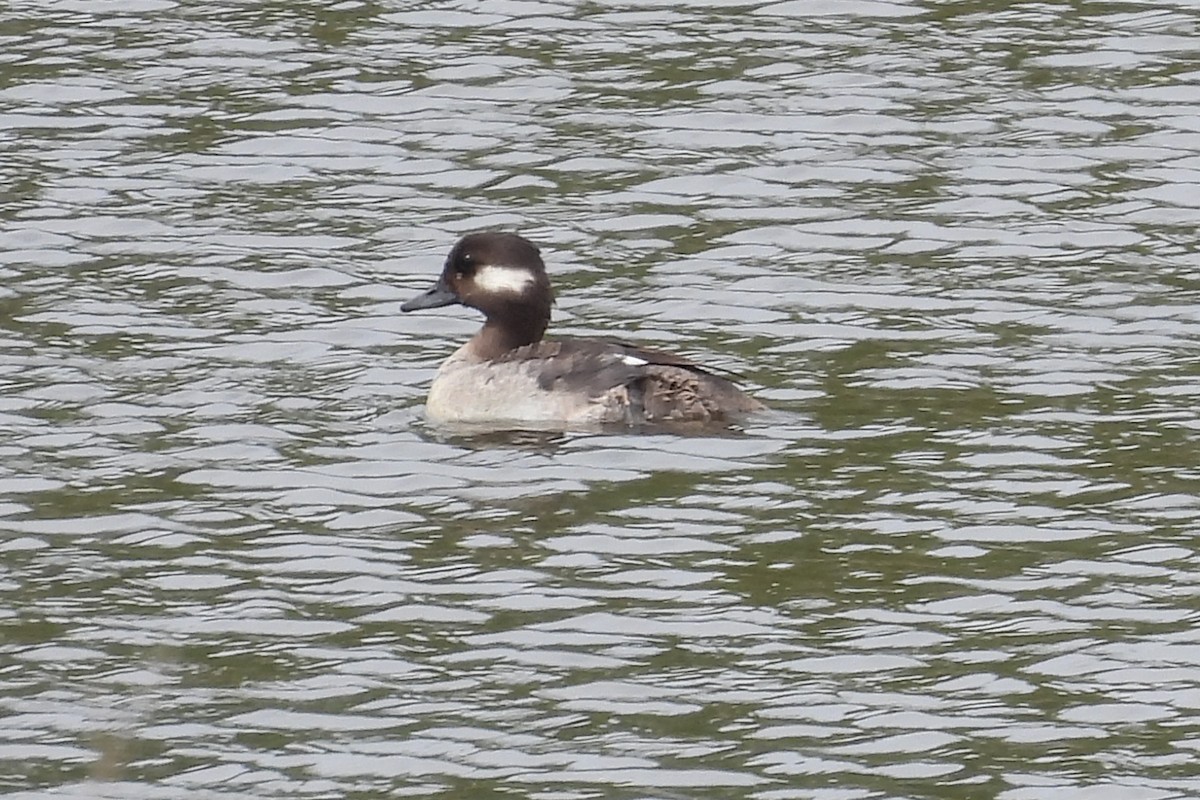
[{"x": 953, "y": 246}]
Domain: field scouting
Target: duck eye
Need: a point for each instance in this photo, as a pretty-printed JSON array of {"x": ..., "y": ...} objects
[{"x": 466, "y": 264}]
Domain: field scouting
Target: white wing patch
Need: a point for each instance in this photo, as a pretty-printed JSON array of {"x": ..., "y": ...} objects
[
  {"x": 503, "y": 280},
  {"x": 634, "y": 361}
]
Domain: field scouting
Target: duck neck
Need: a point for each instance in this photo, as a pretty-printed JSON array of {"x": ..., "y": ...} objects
[{"x": 498, "y": 337}]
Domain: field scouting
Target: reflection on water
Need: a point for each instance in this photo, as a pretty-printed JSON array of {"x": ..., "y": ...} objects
[{"x": 953, "y": 248}]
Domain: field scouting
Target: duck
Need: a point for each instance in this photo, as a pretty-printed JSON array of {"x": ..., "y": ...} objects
[{"x": 509, "y": 376}]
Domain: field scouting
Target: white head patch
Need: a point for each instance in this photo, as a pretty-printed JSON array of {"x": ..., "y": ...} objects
[{"x": 503, "y": 280}]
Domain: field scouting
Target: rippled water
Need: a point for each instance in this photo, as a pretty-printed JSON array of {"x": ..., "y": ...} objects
[{"x": 953, "y": 245}]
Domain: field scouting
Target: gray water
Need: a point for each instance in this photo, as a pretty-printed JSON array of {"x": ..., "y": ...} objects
[{"x": 952, "y": 245}]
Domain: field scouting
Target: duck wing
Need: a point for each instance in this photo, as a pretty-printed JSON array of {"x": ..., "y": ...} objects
[{"x": 651, "y": 384}]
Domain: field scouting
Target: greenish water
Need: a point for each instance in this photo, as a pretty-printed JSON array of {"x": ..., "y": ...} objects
[{"x": 952, "y": 246}]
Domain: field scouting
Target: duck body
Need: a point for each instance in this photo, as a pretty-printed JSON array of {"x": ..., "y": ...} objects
[
  {"x": 580, "y": 383},
  {"x": 507, "y": 375}
]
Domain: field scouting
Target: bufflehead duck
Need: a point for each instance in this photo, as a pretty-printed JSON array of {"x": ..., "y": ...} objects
[{"x": 508, "y": 375}]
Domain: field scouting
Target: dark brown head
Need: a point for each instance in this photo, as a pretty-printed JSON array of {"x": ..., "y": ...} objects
[{"x": 500, "y": 274}]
